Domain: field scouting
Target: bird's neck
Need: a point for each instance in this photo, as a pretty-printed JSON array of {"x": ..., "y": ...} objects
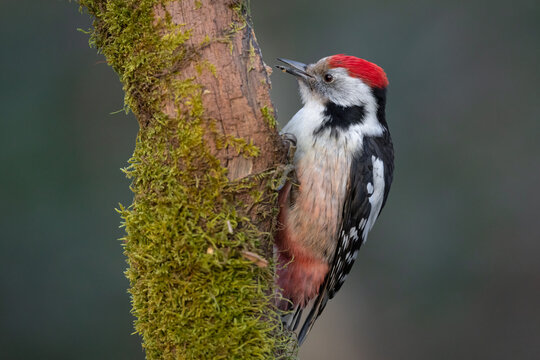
[{"x": 354, "y": 121}]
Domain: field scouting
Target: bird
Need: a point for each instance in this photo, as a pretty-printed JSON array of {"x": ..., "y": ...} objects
[{"x": 344, "y": 164}]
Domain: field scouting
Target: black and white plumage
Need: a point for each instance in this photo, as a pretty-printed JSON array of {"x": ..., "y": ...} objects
[
  {"x": 369, "y": 183},
  {"x": 344, "y": 165}
]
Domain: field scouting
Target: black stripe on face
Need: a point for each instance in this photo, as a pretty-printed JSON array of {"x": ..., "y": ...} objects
[{"x": 340, "y": 118}]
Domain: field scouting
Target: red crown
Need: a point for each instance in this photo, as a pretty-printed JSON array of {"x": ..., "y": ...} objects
[{"x": 372, "y": 74}]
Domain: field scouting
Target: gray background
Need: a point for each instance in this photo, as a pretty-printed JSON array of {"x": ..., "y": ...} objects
[{"x": 451, "y": 270}]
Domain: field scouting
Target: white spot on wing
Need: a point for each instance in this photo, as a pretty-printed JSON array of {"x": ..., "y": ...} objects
[
  {"x": 370, "y": 188},
  {"x": 353, "y": 233},
  {"x": 376, "y": 199},
  {"x": 345, "y": 240},
  {"x": 362, "y": 223}
]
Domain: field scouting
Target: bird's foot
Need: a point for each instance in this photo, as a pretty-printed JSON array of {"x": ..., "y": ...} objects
[
  {"x": 287, "y": 170},
  {"x": 289, "y": 141}
]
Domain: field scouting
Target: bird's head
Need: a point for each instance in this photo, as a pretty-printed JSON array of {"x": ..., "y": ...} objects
[{"x": 339, "y": 79}]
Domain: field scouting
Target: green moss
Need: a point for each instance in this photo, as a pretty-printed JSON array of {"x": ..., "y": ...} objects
[
  {"x": 252, "y": 56},
  {"x": 240, "y": 7},
  {"x": 194, "y": 294},
  {"x": 206, "y": 65},
  {"x": 206, "y": 41},
  {"x": 269, "y": 117}
]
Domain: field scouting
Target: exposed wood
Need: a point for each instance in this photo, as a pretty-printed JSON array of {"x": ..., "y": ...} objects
[{"x": 235, "y": 96}]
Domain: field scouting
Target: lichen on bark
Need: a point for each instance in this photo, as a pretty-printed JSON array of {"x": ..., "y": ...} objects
[{"x": 203, "y": 195}]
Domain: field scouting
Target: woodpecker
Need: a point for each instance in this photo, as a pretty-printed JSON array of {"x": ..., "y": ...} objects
[{"x": 344, "y": 164}]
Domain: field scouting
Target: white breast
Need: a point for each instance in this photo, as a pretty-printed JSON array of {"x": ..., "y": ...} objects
[{"x": 323, "y": 164}]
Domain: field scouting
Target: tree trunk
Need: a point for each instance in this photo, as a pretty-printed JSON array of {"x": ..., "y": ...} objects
[{"x": 199, "y": 231}]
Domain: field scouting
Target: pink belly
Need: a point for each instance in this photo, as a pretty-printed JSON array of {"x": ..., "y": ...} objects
[
  {"x": 300, "y": 277},
  {"x": 300, "y": 274},
  {"x": 308, "y": 223}
]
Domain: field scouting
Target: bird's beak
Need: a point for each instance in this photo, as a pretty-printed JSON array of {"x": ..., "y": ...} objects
[{"x": 295, "y": 68}]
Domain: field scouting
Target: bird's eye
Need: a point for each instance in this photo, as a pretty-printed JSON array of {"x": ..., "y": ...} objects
[{"x": 328, "y": 78}]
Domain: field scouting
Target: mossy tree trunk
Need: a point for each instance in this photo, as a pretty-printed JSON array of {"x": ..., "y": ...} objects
[{"x": 198, "y": 234}]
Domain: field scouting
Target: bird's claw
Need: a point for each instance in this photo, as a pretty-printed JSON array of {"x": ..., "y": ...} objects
[
  {"x": 287, "y": 169},
  {"x": 289, "y": 141}
]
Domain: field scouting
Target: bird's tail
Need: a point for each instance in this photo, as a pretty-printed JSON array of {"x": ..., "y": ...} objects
[{"x": 316, "y": 310}]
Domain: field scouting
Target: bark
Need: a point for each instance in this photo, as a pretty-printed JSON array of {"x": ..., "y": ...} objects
[
  {"x": 199, "y": 231},
  {"x": 236, "y": 96}
]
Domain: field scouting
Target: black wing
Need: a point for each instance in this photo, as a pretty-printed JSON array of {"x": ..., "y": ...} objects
[{"x": 370, "y": 178}]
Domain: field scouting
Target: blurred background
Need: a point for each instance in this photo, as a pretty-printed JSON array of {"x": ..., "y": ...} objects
[{"x": 452, "y": 268}]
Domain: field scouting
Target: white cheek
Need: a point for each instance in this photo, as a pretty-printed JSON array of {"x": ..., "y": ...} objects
[{"x": 349, "y": 91}]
